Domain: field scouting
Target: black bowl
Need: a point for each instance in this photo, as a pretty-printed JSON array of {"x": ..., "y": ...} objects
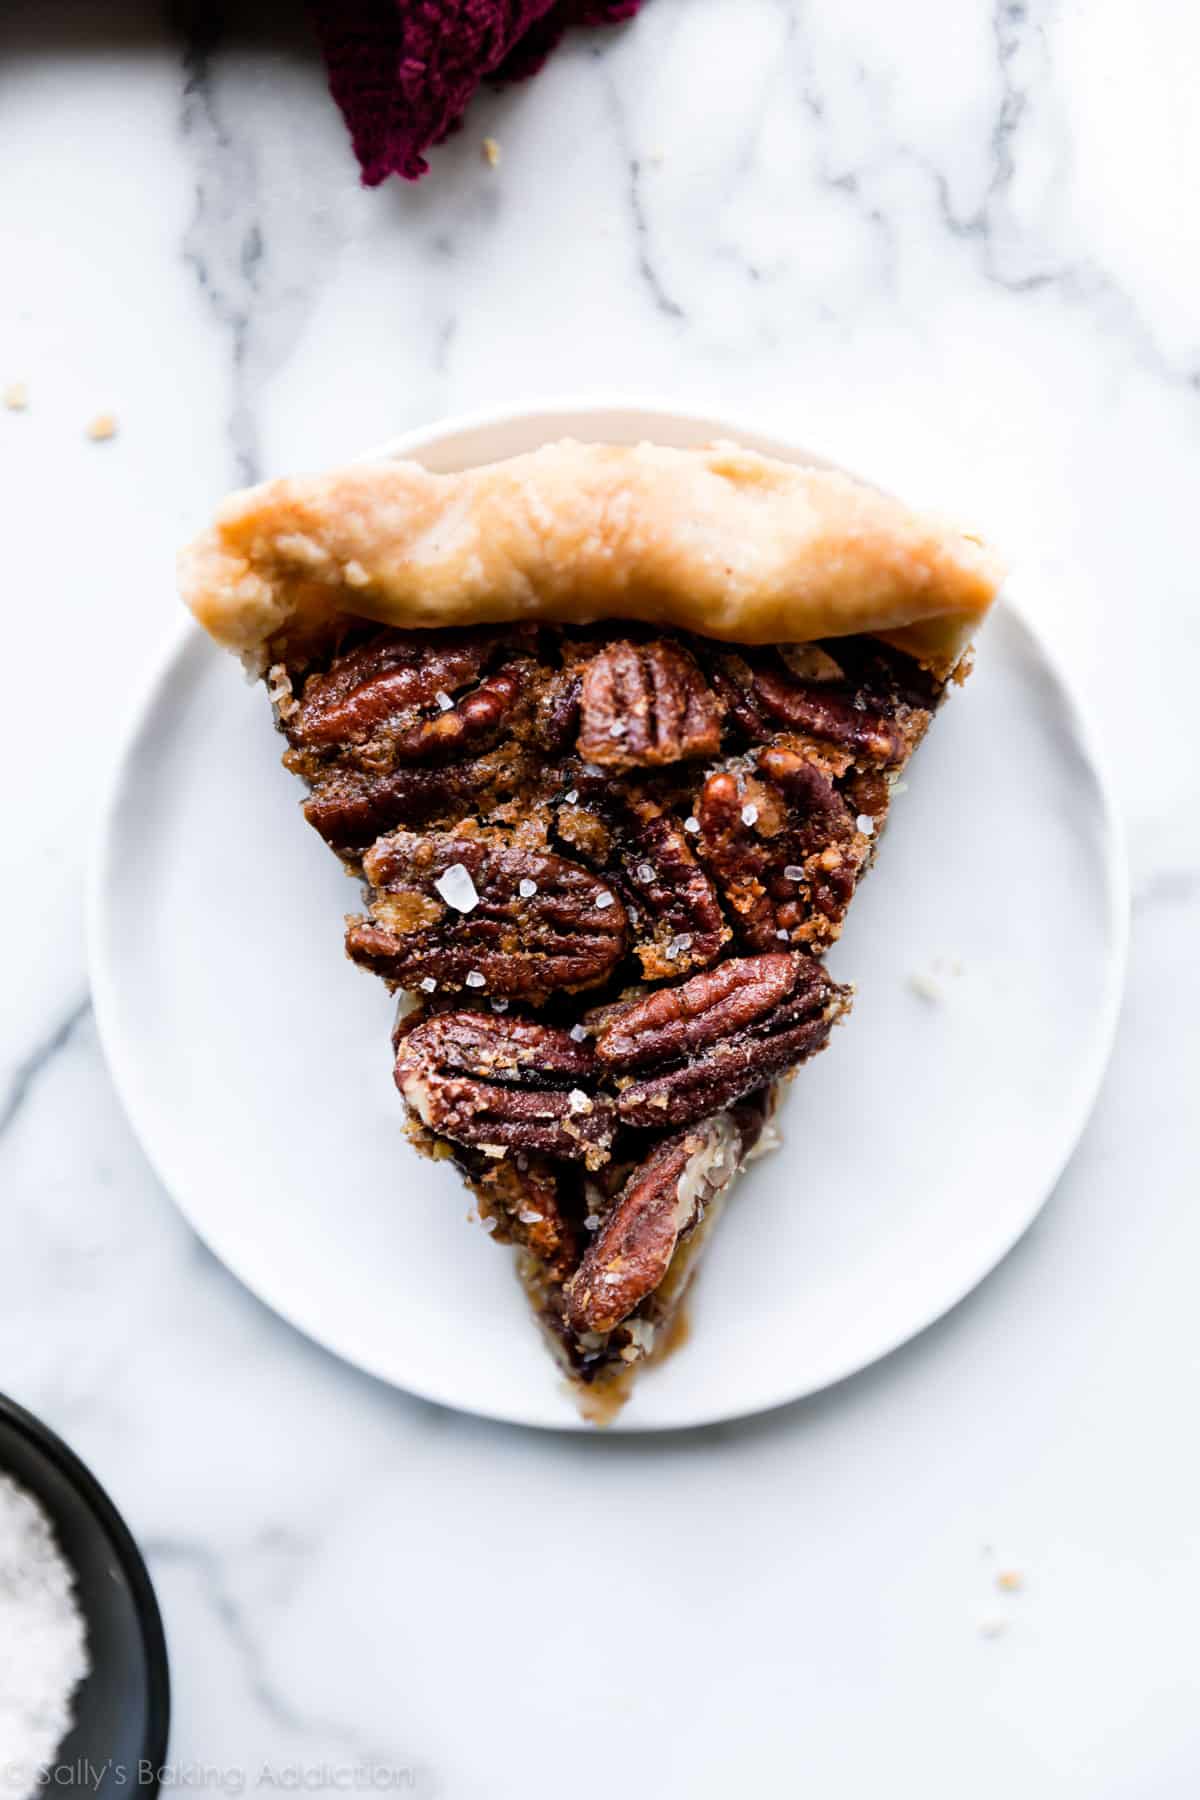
[{"x": 122, "y": 1708}]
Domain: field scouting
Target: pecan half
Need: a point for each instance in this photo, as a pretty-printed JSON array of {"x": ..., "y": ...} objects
[
  {"x": 351, "y": 810},
  {"x": 696, "y": 1048},
  {"x": 672, "y": 1023},
  {"x": 390, "y": 676},
  {"x": 499, "y": 1083},
  {"x": 663, "y": 1201},
  {"x": 399, "y": 701},
  {"x": 464, "y": 726},
  {"x": 679, "y": 902},
  {"x": 676, "y": 923},
  {"x": 884, "y": 678},
  {"x": 765, "y": 695},
  {"x": 782, "y": 844},
  {"x": 485, "y": 912},
  {"x": 646, "y": 704}
]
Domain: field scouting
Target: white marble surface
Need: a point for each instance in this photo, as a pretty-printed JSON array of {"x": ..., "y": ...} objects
[{"x": 956, "y": 245}]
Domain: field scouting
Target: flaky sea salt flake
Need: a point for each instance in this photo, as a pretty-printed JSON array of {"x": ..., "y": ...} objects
[{"x": 458, "y": 889}]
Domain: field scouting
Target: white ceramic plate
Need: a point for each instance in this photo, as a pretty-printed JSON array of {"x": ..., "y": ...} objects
[{"x": 254, "y": 1060}]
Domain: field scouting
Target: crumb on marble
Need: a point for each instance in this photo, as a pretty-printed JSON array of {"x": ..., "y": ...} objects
[
  {"x": 102, "y": 427},
  {"x": 1010, "y": 1581},
  {"x": 491, "y": 152},
  {"x": 16, "y": 396},
  {"x": 992, "y": 1628}
]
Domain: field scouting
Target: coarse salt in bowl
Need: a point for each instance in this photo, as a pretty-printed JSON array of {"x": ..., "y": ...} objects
[{"x": 88, "y": 1702}]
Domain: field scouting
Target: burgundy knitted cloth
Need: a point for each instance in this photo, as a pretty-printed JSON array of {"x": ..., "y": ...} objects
[{"x": 402, "y": 71}]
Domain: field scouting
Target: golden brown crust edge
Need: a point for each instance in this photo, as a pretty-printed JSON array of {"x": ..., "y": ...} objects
[{"x": 719, "y": 541}]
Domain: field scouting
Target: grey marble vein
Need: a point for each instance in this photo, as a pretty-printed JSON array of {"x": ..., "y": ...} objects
[
  {"x": 647, "y": 268},
  {"x": 1014, "y": 33},
  {"x": 224, "y": 245},
  {"x": 220, "y": 1591},
  {"x": 645, "y": 259},
  {"x": 274, "y": 189},
  {"x": 29, "y": 1071},
  {"x": 1007, "y": 257}
]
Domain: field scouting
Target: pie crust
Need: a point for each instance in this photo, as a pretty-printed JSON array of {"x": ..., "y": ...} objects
[{"x": 720, "y": 541}]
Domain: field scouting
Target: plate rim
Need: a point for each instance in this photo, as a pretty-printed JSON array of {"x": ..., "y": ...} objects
[{"x": 168, "y": 662}]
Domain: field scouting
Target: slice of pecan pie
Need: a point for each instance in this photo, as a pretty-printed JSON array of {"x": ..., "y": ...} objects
[{"x": 609, "y": 735}]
